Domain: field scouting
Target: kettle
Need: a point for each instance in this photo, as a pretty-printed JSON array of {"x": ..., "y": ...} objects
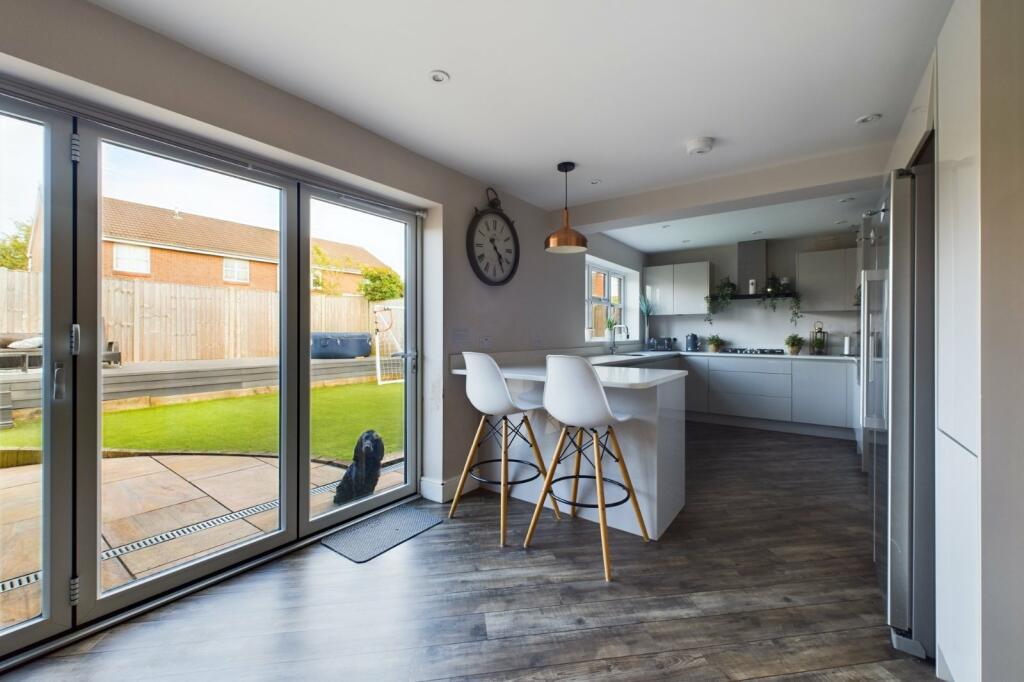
[{"x": 692, "y": 343}]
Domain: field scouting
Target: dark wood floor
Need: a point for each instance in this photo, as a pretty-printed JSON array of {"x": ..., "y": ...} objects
[{"x": 767, "y": 573}]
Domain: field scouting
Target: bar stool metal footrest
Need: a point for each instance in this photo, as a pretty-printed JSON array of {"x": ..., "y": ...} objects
[
  {"x": 474, "y": 476},
  {"x": 586, "y": 505}
]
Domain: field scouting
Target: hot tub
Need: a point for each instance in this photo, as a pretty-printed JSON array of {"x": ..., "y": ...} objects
[{"x": 339, "y": 345}]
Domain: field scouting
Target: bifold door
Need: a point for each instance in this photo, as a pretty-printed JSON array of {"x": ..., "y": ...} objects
[
  {"x": 36, "y": 384},
  {"x": 186, "y": 377},
  {"x": 359, "y": 417},
  {"x": 199, "y": 363}
]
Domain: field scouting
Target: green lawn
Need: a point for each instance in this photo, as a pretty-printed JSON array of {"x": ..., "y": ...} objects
[{"x": 249, "y": 424}]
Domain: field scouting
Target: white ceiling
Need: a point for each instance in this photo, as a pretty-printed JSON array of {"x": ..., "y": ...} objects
[
  {"x": 807, "y": 218},
  {"x": 616, "y": 86}
]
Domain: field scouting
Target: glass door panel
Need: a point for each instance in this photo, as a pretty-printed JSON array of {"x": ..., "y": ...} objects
[
  {"x": 362, "y": 384},
  {"x": 187, "y": 409},
  {"x": 35, "y": 442}
]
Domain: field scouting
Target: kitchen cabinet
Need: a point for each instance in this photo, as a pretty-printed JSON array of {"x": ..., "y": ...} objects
[
  {"x": 678, "y": 289},
  {"x": 696, "y": 383},
  {"x": 827, "y": 280},
  {"x": 820, "y": 395},
  {"x": 749, "y": 387},
  {"x": 658, "y": 288},
  {"x": 691, "y": 284}
]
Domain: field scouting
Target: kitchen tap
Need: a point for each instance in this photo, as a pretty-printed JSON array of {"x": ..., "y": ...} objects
[{"x": 614, "y": 347}]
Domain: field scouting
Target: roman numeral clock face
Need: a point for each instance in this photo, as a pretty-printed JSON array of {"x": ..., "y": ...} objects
[{"x": 493, "y": 247}]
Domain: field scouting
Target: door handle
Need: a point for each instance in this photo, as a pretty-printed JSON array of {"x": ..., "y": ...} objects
[{"x": 59, "y": 381}]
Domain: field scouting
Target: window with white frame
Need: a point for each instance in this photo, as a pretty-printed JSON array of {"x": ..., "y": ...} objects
[
  {"x": 236, "y": 271},
  {"x": 132, "y": 259},
  {"x": 606, "y": 297}
]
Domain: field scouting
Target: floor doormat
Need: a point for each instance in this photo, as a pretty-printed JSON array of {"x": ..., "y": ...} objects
[{"x": 363, "y": 541}]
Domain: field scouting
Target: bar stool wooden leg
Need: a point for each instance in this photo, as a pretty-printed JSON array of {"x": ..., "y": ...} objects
[
  {"x": 629, "y": 483},
  {"x": 576, "y": 469},
  {"x": 540, "y": 461},
  {"x": 504, "y": 478},
  {"x": 546, "y": 488},
  {"x": 469, "y": 464},
  {"x": 601, "y": 510}
]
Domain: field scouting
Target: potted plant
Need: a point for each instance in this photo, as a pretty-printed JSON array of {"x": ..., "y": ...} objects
[
  {"x": 715, "y": 343},
  {"x": 720, "y": 298},
  {"x": 646, "y": 309},
  {"x": 794, "y": 342}
]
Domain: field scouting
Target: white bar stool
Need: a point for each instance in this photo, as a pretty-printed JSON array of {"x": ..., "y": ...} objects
[
  {"x": 489, "y": 394},
  {"x": 573, "y": 395}
]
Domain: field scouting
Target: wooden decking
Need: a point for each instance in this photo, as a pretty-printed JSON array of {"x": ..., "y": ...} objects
[
  {"x": 766, "y": 574},
  {"x": 160, "y": 379}
]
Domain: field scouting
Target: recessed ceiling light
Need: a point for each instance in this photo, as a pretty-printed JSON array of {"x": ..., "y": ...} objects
[
  {"x": 439, "y": 76},
  {"x": 664, "y": 226},
  {"x": 846, "y": 200},
  {"x": 757, "y": 232},
  {"x": 595, "y": 181},
  {"x": 867, "y": 118},
  {"x": 686, "y": 241},
  {"x": 839, "y": 222}
]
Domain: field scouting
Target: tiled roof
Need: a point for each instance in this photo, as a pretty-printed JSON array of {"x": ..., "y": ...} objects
[{"x": 130, "y": 221}]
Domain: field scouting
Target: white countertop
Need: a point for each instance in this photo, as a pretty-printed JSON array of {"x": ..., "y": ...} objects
[{"x": 611, "y": 377}]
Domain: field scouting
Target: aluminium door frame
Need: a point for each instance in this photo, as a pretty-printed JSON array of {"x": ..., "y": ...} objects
[
  {"x": 93, "y": 602},
  {"x": 337, "y": 196},
  {"x": 57, "y": 451}
]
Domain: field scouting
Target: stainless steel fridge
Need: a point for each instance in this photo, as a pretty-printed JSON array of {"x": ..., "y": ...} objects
[{"x": 897, "y": 398}]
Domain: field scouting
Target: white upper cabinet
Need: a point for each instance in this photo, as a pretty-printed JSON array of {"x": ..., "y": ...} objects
[
  {"x": 827, "y": 280},
  {"x": 658, "y": 288},
  {"x": 678, "y": 289},
  {"x": 691, "y": 286}
]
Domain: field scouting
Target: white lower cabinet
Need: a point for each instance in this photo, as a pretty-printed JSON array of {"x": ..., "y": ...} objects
[
  {"x": 696, "y": 383},
  {"x": 819, "y": 393}
]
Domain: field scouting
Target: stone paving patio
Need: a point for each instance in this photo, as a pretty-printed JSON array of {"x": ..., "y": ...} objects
[{"x": 144, "y": 496}]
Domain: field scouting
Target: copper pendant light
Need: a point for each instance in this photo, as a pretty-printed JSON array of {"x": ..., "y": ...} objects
[{"x": 565, "y": 239}]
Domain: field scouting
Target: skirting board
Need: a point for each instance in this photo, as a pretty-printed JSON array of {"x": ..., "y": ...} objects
[
  {"x": 772, "y": 425},
  {"x": 443, "y": 491}
]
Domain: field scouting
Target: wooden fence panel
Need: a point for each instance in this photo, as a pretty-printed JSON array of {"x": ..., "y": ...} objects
[{"x": 158, "y": 321}]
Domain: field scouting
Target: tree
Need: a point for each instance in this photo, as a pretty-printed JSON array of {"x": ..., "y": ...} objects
[
  {"x": 14, "y": 247},
  {"x": 380, "y": 284}
]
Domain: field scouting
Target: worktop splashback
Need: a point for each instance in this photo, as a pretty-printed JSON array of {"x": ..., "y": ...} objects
[{"x": 745, "y": 323}]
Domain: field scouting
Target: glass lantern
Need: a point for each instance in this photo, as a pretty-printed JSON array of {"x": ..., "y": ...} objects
[{"x": 819, "y": 339}]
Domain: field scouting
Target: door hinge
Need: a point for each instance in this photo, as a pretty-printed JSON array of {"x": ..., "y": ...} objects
[
  {"x": 73, "y": 586},
  {"x": 76, "y": 148},
  {"x": 75, "y": 339}
]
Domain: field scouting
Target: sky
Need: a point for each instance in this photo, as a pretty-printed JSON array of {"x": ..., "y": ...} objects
[
  {"x": 145, "y": 178},
  {"x": 21, "y": 170}
]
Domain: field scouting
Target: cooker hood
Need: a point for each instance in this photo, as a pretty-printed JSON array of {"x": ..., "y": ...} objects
[{"x": 751, "y": 263}]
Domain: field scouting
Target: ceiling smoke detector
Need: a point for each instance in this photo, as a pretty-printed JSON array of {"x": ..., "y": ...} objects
[
  {"x": 839, "y": 221},
  {"x": 595, "y": 181},
  {"x": 439, "y": 76},
  {"x": 867, "y": 118},
  {"x": 699, "y": 145},
  {"x": 847, "y": 200}
]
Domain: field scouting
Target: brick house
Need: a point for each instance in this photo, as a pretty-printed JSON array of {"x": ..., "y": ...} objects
[{"x": 163, "y": 245}]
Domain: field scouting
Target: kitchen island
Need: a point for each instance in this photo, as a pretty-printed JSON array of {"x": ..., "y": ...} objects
[{"x": 653, "y": 441}]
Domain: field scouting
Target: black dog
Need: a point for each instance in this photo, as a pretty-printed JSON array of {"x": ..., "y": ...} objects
[{"x": 360, "y": 478}]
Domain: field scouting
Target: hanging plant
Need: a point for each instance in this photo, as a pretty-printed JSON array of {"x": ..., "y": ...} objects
[
  {"x": 774, "y": 289},
  {"x": 719, "y": 299}
]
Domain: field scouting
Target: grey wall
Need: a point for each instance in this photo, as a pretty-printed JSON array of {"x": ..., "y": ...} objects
[{"x": 747, "y": 323}]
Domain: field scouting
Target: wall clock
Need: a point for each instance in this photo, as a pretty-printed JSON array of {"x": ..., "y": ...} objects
[{"x": 492, "y": 243}]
